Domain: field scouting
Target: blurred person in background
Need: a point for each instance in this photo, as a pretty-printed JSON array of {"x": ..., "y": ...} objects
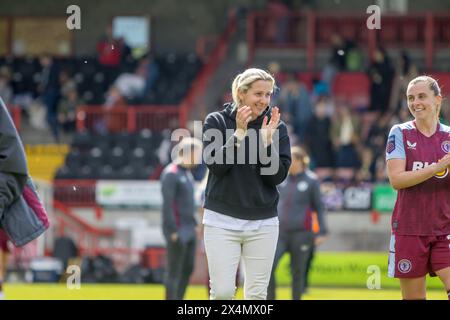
[
  {"x": 345, "y": 134},
  {"x": 299, "y": 197},
  {"x": 240, "y": 217},
  {"x": 405, "y": 71},
  {"x": 178, "y": 216},
  {"x": 277, "y": 29},
  {"x": 49, "y": 89},
  {"x": 295, "y": 103},
  {"x": 418, "y": 165},
  {"x": 67, "y": 110},
  {"x": 319, "y": 143},
  {"x": 109, "y": 54},
  {"x": 381, "y": 74},
  {"x": 373, "y": 151},
  {"x": 68, "y": 103}
]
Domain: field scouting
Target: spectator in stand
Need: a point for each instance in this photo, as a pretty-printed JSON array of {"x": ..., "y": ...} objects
[
  {"x": 126, "y": 55},
  {"x": 378, "y": 133},
  {"x": 66, "y": 82},
  {"x": 6, "y": 91},
  {"x": 131, "y": 85},
  {"x": 366, "y": 172},
  {"x": 114, "y": 101},
  {"x": 402, "y": 115},
  {"x": 340, "y": 49},
  {"x": 151, "y": 74},
  {"x": 109, "y": 56},
  {"x": 274, "y": 69},
  {"x": 445, "y": 112},
  {"x": 374, "y": 147},
  {"x": 381, "y": 74},
  {"x": 278, "y": 24},
  {"x": 345, "y": 133},
  {"x": 318, "y": 141},
  {"x": 337, "y": 63},
  {"x": 67, "y": 110},
  {"x": 49, "y": 89},
  {"x": 295, "y": 101},
  {"x": 404, "y": 73}
]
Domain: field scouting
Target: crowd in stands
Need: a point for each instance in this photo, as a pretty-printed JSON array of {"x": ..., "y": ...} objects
[
  {"x": 346, "y": 139},
  {"x": 48, "y": 89},
  {"x": 346, "y": 142}
]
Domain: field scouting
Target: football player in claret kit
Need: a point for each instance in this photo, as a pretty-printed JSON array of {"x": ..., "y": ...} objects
[{"x": 418, "y": 160}]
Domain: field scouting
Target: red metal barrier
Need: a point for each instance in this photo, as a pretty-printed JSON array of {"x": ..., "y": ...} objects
[
  {"x": 425, "y": 30},
  {"x": 128, "y": 118},
  {"x": 86, "y": 235},
  {"x": 76, "y": 193},
  {"x": 198, "y": 87}
]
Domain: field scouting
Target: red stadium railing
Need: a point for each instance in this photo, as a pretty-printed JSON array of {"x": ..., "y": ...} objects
[
  {"x": 75, "y": 193},
  {"x": 93, "y": 241},
  {"x": 198, "y": 87},
  {"x": 311, "y": 30},
  {"x": 86, "y": 235},
  {"x": 129, "y": 118},
  {"x": 81, "y": 193}
]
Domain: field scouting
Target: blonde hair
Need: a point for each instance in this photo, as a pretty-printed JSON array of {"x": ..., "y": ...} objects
[
  {"x": 244, "y": 81},
  {"x": 187, "y": 145},
  {"x": 300, "y": 154},
  {"x": 433, "y": 85}
]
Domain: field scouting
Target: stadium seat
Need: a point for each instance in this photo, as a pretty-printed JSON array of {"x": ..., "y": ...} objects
[
  {"x": 412, "y": 33},
  {"x": 65, "y": 173},
  {"x": 307, "y": 78},
  {"x": 353, "y": 88},
  {"x": 117, "y": 158},
  {"x": 82, "y": 140},
  {"x": 443, "y": 79},
  {"x": 388, "y": 34},
  {"x": 106, "y": 172},
  {"x": 74, "y": 159}
]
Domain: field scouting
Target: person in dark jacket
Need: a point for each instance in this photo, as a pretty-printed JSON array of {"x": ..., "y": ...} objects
[
  {"x": 299, "y": 198},
  {"x": 49, "y": 88},
  {"x": 178, "y": 216},
  {"x": 247, "y": 152},
  {"x": 22, "y": 217}
]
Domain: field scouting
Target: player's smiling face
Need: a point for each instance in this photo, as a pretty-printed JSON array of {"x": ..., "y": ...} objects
[
  {"x": 257, "y": 97},
  {"x": 422, "y": 102}
]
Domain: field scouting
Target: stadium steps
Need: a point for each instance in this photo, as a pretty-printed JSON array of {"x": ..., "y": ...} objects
[
  {"x": 222, "y": 78},
  {"x": 44, "y": 159}
]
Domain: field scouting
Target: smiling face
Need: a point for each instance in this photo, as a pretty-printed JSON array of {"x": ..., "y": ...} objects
[
  {"x": 257, "y": 97},
  {"x": 422, "y": 101}
]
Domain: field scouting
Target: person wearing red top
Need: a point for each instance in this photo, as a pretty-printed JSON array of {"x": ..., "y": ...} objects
[
  {"x": 418, "y": 165},
  {"x": 109, "y": 52}
]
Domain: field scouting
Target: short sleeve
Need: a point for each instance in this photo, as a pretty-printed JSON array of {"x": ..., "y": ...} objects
[{"x": 394, "y": 147}]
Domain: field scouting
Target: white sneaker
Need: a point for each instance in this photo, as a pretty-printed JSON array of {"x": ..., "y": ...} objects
[{"x": 2, "y": 296}]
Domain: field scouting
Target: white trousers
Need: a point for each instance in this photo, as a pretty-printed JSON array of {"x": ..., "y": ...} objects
[{"x": 224, "y": 249}]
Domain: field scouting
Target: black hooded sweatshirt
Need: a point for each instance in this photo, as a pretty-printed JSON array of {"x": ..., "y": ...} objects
[{"x": 243, "y": 190}]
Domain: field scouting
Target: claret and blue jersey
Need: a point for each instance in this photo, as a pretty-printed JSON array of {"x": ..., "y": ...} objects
[{"x": 423, "y": 209}]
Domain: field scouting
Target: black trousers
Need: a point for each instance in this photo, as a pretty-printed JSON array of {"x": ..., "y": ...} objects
[
  {"x": 180, "y": 264},
  {"x": 299, "y": 245}
]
